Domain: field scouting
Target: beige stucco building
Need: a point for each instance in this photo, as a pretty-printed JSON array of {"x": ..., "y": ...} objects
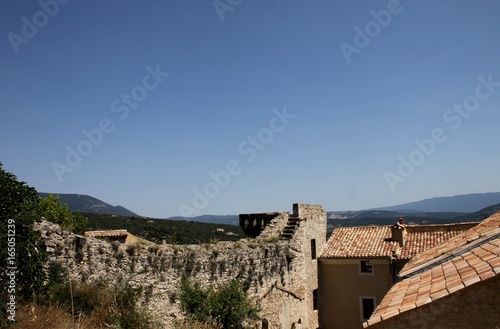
[
  {"x": 360, "y": 264},
  {"x": 456, "y": 284}
]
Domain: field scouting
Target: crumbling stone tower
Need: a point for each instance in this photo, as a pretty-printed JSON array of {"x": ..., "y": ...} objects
[{"x": 302, "y": 235}]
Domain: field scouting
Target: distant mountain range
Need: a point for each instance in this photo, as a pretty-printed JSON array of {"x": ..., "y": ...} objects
[
  {"x": 88, "y": 204},
  {"x": 214, "y": 219},
  {"x": 440, "y": 210},
  {"x": 469, "y": 207},
  {"x": 384, "y": 217},
  {"x": 458, "y": 203}
]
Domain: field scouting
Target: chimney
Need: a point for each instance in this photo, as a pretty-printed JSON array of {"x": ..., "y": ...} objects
[{"x": 398, "y": 232}]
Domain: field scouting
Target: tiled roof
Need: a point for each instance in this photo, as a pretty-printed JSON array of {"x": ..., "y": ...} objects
[
  {"x": 106, "y": 233},
  {"x": 483, "y": 228},
  {"x": 466, "y": 263},
  {"x": 375, "y": 241}
]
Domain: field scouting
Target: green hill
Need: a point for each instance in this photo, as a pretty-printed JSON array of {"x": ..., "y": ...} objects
[
  {"x": 88, "y": 204},
  {"x": 172, "y": 231}
]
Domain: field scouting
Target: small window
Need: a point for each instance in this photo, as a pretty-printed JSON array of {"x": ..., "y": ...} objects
[
  {"x": 366, "y": 266},
  {"x": 315, "y": 299},
  {"x": 313, "y": 249},
  {"x": 367, "y": 307}
]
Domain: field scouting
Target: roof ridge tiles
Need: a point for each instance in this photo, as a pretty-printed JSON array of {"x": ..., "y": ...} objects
[{"x": 479, "y": 242}]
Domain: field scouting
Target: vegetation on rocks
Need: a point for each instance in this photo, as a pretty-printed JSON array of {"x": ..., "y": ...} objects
[{"x": 47, "y": 299}]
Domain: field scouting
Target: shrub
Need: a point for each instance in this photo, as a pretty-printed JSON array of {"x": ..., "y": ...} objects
[
  {"x": 105, "y": 305},
  {"x": 34, "y": 316},
  {"x": 54, "y": 211},
  {"x": 193, "y": 299},
  {"x": 18, "y": 212},
  {"x": 228, "y": 306}
]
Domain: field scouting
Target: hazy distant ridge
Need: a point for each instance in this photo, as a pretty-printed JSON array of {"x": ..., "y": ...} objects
[
  {"x": 458, "y": 203},
  {"x": 214, "y": 219},
  {"x": 454, "y": 208}
]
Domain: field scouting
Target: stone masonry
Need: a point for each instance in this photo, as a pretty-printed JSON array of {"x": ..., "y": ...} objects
[{"x": 277, "y": 265}]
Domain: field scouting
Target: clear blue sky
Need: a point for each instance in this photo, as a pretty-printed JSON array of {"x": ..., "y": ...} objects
[{"x": 287, "y": 97}]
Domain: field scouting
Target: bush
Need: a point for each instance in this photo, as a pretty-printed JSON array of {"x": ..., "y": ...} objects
[
  {"x": 18, "y": 212},
  {"x": 106, "y": 305},
  {"x": 54, "y": 211},
  {"x": 34, "y": 316},
  {"x": 228, "y": 306}
]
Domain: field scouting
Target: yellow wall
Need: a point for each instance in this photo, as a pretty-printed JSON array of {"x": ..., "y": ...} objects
[{"x": 342, "y": 285}]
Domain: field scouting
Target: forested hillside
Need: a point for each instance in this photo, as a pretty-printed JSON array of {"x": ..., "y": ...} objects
[{"x": 173, "y": 231}]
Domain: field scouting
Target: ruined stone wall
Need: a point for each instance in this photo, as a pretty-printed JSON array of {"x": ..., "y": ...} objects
[{"x": 278, "y": 274}]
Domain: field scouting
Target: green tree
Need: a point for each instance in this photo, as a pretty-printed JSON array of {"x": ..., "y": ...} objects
[
  {"x": 18, "y": 206},
  {"x": 193, "y": 299},
  {"x": 54, "y": 211},
  {"x": 228, "y": 305},
  {"x": 172, "y": 237},
  {"x": 80, "y": 223}
]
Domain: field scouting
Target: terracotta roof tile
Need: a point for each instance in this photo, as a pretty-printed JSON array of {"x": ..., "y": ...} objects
[
  {"x": 466, "y": 265},
  {"x": 375, "y": 241},
  {"x": 473, "y": 234}
]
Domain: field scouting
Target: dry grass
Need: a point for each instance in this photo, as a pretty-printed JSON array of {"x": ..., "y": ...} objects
[
  {"x": 189, "y": 324},
  {"x": 32, "y": 316},
  {"x": 42, "y": 317}
]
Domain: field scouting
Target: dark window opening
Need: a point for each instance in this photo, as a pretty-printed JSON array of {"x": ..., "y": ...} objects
[
  {"x": 366, "y": 266},
  {"x": 368, "y": 305},
  {"x": 313, "y": 249},
  {"x": 315, "y": 299},
  {"x": 265, "y": 324}
]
